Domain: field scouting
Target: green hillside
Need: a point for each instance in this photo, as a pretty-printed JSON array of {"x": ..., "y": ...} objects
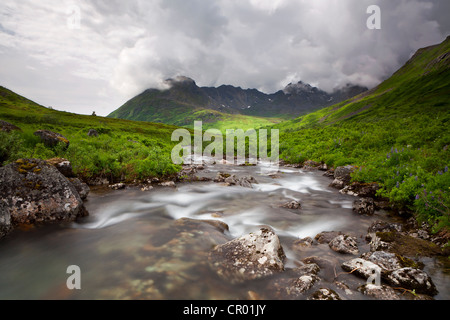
[
  {"x": 123, "y": 150},
  {"x": 398, "y": 134}
]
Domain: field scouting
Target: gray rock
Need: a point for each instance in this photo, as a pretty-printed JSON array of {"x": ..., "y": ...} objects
[
  {"x": 292, "y": 205},
  {"x": 413, "y": 279},
  {"x": 8, "y": 127},
  {"x": 386, "y": 260},
  {"x": 302, "y": 244},
  {"x": 344, "y": 173},
  {"x": 92, "y": 133},
  {"x": 361, "y": 267},
  {"x": 63, "y": 165},
  {"x": 364, "y": 206},
  {"x": 381, "y": 292},
  {"x": 249, "y": 257},
  {"x": 118, "y": 186},
  {"x": 82, "y": 188},
  {"x": 293, "y": 288},
  {"x": 5, "y": 219},
  {"x": 326, "y": 236},
  {"x": 52, "y": 139},
  {"x": 344, "y": 244},
  {"x": 36, "y": 192},
  {"x": 324, "y": 294}
]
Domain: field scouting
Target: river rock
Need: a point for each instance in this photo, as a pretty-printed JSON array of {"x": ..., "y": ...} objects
[
  {"x": 404, "y": 245},
  {"x": 249, "y": 257},
  {"x": 344, "y": 244},
  {"x": 361, "y": 267},
  {"x": 324, "y": 294},
  {"x": 381, "y": 292},
  {"x": 413, "y": 279},
  {"x": 302, "y": 244},
  {"x": 292, "y": 288},
  {"x": 389, "y": 261},
  {"x": 8, "y": 127},
  {"x": 5, "y": 219},
  {"x": 342, "y": 176},
  {"x": 292, "y": 205},
  {"x": 118, "y": 186},
  {"x": 81, "y": 187},
  {"x": 37, "y": 192},
  {"x": 326, "y": 236},
  {"x": 364, "y": 206},
  {"x": 63, "y": 165},
  {"x": 52, "y": 139}
]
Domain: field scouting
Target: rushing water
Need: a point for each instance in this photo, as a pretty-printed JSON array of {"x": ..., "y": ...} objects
[{"x": 135, "y": 244}]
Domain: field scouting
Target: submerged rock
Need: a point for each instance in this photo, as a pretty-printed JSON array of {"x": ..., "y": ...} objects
[
  {"x": 292, "y": 205},
  {"x": 249, "y": 257},
  {"x": 344, "y": 244},
  {"x": 326, "y": 236},
  {"x": 295, "y": 287},
  {"x": 35, "y": 192}
]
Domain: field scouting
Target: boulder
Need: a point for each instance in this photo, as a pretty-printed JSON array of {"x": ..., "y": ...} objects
[
  {"x": 232, "y": 180},
  {"x": 381, "y": 292},
  {"x": 344, "y": 244},
  {"x": 52, "y": 139},
  {"x": 8, "y": 127},
  {"x": 5, "y": 219},
  {"x": 249, "y": 257},
  {"x": 364, "y": 206},
  {"x": 413, "y": 279},
  {"x": 342, "y": 176},
  {"x": 63, "y": 165},
  {"x": 36, "y": 192},
  {"x": 92, "y": 133}
]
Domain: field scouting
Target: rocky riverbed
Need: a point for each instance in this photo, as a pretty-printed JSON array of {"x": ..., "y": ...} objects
[{"x": 230, "y": 232}]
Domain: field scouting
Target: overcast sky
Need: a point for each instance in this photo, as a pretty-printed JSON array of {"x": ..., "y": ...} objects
[{"x": 120, "y": 48}]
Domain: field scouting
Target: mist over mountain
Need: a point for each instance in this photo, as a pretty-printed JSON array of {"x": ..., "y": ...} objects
[{"x": 183, "y": 96}]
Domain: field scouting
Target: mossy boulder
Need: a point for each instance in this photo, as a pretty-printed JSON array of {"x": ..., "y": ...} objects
[
  {"x": 8, "y": 127},
  {"x": 52, "y": 139},
  {"x": 405, "y": 245},
  {"x": 5, "y": 219},
  {"x": 36, "y": 192}
]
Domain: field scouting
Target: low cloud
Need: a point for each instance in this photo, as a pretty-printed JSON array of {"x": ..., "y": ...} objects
[{"x": 124, "y": 47}]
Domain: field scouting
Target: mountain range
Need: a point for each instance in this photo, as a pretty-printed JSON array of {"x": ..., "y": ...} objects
[{"x": 184, "y": 101}]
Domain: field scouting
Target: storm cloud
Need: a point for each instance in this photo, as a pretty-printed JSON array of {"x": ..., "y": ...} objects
[{"x": 83, "y": 56}]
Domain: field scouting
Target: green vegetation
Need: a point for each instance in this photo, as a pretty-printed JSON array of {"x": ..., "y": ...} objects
[
  {"x": 123, "y": 150},
  {"x": 397, "y": 134}
]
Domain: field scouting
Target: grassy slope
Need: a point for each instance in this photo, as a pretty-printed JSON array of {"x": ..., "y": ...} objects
[
  {"x": 397, "y": 134},
  {"x": 124, "y": 149},
  {"x": 148, "y": 107}
]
